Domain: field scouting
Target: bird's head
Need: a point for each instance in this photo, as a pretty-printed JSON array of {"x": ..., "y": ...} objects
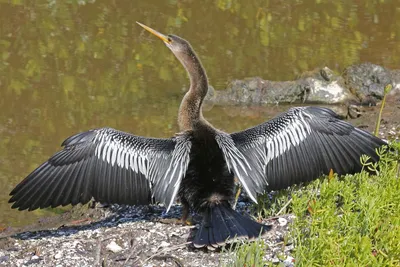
[{"x": 177, "y": 44}]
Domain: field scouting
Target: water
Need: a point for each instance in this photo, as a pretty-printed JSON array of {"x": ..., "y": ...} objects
[{"x": 69, "y": 66}]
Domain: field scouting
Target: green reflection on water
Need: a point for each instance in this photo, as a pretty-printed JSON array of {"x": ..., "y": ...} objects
[{"x": 68, "y": 66}]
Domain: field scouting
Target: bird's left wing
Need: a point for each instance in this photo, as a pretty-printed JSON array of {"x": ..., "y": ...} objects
[
  {"x": 109, "y": 165},
  {"x": 297, "y": 146}
]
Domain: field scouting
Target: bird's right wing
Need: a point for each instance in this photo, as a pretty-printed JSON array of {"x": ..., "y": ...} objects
[
  {"x": 297, "y": 146},
  {"x": 109, "y": 165}
]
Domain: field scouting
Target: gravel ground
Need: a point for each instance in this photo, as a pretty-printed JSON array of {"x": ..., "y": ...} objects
[{"x": 128, "y": 236}]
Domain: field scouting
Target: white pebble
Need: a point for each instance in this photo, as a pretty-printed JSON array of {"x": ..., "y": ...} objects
[
  {"x": 114, "y": 247},
  {"x": 282, "y": 221},
  {"x": 289, "y": 261},
  {"x": 164, "y": 244},
  {"x": 58, "y": 256}
]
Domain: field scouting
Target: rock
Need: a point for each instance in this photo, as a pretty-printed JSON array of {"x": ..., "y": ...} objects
[
  {"x": 58, "y": 255},
  {"x": 325, "y": 87},
  {"x": 289, "y": 261},
  {"x": 367, "y": 81},
  {"x": 164, "y": 244},
  {"x": 33, "y": 261},
  {"x": 320, "y": 86},
  {"x": 323, "y": 92},
  {"x": 360, "y": 84},
  {"x": 114, "y": 247},
  {"x": 282, "y": 221},
  {"x": 256, "y": 91},
  {"x": 4, "y": 258},
  {"x": 327, "y": 74},
  {"x": 395, "y": 75},
  {"x": 209, "y": 99},
  {"x": 210, "y": 92},
  {"x": 35, "y": 257}
]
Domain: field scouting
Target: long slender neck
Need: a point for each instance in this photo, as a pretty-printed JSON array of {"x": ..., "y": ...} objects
[{"x": 190, "y": 113}]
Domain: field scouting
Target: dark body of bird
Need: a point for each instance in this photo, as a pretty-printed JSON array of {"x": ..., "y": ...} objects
[
  {"x": 200, "y": 163},
  {"x": 207, "y": 175}
]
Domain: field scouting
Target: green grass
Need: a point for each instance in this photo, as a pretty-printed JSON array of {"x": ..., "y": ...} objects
[
  {"x": 352, "y": 220},
  {"x": 349, "y": 221},
  {"x": 274, "y": 203},
  {"x": 246, "y": 254}
]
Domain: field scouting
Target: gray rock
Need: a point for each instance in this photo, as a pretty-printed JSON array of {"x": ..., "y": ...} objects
[
  {"x": 367, "y": 81},
  {"x": 256, "y": 91},
  {"x": 114, "y": 247},
  {"x": 4, "y": 258},
  {"x": 360, "y": 84},
  {"x": 320, "y": 86}
]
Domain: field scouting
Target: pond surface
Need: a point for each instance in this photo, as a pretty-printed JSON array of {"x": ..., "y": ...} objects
[{"x": 69, "y": 66}]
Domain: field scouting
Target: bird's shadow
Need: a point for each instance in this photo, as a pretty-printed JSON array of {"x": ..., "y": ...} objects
[
  {"x": 112, "y": 216},
  {"x": 115, "y": 215}
]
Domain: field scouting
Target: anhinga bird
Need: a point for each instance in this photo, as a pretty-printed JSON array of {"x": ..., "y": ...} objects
[{"x": 199, "y": 163}]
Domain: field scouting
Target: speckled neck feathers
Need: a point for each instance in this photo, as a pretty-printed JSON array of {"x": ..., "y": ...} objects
[{"x": 190, "y": 114}]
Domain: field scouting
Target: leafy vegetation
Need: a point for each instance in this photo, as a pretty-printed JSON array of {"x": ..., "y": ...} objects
[
  {"x": 274, "y": 203},
  {"x": 350, "y": 221},
  {"x": 353, "y": 220},
  {"x": 246, "y": 254}
]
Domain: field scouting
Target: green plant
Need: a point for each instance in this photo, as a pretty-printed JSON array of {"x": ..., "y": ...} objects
[
  {"x": 352, "y": 220},
  {"x": 378, "y": 120},
  {"x": 246, "y": 254},
  {"x": 273, "y": 203}
]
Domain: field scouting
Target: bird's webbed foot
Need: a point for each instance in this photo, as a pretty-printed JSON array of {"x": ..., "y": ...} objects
[{"x": 184, "y": 220}]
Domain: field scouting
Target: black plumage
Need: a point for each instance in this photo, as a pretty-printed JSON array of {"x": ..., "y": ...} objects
[{"x": 200, "y": 163}]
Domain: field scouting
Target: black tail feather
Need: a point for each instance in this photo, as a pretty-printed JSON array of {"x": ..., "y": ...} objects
[{"x": 221, "y": 225}]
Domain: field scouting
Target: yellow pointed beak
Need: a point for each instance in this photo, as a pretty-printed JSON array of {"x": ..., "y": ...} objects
[{"x": 156, "y": 33}]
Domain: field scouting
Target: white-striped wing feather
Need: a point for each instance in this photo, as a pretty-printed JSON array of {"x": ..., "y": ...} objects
[
  {"x": 109, "y": 165},
  {"x": 295, "y": 147}
]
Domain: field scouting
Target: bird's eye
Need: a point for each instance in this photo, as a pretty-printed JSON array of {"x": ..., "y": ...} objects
[{"x": 169, "y": 39}]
